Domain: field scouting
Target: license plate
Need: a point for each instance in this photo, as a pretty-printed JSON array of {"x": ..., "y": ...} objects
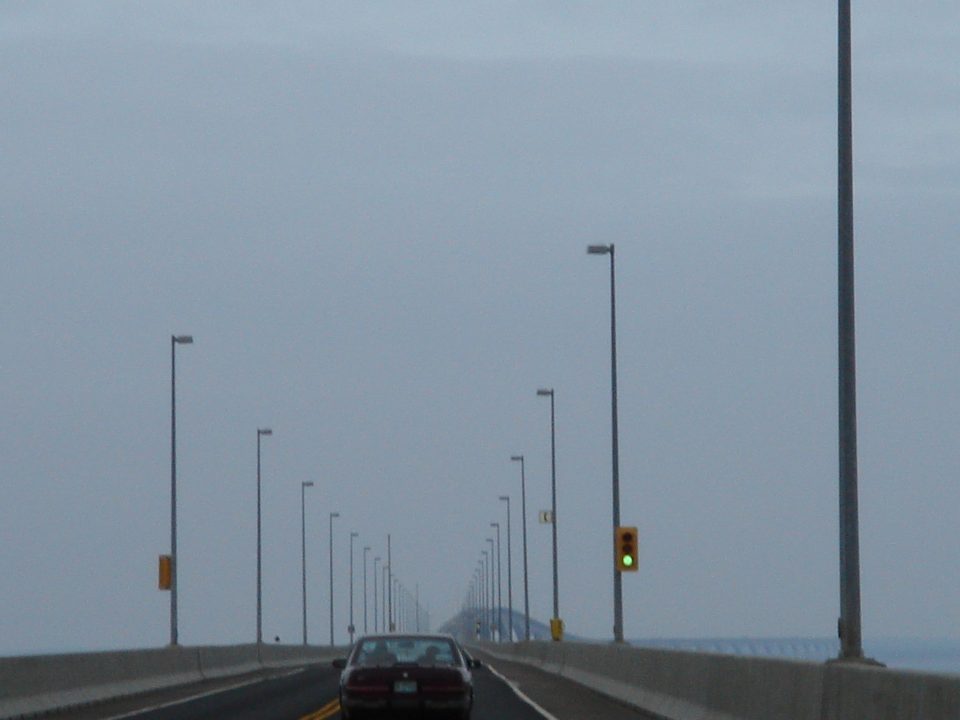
[{"x": 405, "y": 687}]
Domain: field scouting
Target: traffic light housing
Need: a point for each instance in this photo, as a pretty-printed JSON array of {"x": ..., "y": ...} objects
[
  {"x": 166, "y": 572},
  {"x": 625, "y": 549}
]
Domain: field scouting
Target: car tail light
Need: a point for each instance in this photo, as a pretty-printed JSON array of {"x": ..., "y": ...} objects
[{"x": 448, "y": 682}]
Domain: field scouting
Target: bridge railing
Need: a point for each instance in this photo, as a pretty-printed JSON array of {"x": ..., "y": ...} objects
[
  {"x": 681, "y": 684},
  {"x": 814, "y": 649},
  {"x": 35, "y": 684}
]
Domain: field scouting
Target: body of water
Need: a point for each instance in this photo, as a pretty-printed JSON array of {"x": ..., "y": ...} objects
[{"x": 922, "y": 655}]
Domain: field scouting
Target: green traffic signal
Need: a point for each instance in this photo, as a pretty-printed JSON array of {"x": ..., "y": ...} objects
[{"x": 625, "y": 548}]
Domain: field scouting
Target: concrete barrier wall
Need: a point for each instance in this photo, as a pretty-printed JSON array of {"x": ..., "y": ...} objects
[
  {"x": 681, "y": 685},
  {"x": 34, "y": 684}
]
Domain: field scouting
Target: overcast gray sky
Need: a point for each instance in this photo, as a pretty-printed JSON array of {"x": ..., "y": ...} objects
[{"x": 373, "y": 219}]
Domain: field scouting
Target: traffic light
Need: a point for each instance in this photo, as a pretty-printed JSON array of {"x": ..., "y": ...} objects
[
  {"x": 166, "y": 572},
  {"x": 625, "y": 548}
]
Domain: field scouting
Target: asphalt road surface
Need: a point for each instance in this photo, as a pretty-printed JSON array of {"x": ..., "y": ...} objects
[{"x": 503, "y": 691}]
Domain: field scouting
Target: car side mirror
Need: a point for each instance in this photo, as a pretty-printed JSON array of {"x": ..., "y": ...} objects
[
  {"x": 340, "y": 663},
  {"x": 474, "y": 663}
]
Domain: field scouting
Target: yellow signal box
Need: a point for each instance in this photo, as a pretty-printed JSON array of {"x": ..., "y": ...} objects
[
  {"x": 625, "y": 549},
  {"x": 166, "y": 572}
]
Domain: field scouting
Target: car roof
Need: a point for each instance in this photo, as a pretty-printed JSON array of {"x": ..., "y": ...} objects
[{"x": 408, "y": 636}]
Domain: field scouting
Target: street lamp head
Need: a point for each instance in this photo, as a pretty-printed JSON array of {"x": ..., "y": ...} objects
[
  {"x": 354, "y": 534},
  {"x": 307, "y": 483},
  {"x": 517, "y": 458},
  {"x": 264, "y": 431},
  {"x": 545, "y": 392},
  {"x": 495, "y": 524},
  {"x": 366, "y": 548},
  {"x": 183, "y": 339},
  {"x": 505, "y": 497},
  {"x": 334, "y": 514},
  {"x": 599, "y": 249}
]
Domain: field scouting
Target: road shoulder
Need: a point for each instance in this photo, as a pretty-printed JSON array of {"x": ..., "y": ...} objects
[{"x": 561, "y": 698}]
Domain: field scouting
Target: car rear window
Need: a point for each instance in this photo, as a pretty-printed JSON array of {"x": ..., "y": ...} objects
[{"x": 406, "y": 651}]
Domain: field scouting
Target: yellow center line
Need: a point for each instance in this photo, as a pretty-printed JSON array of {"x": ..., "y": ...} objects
[{"x": 327, "y": 711}]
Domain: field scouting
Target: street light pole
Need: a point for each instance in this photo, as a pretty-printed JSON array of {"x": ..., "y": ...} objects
[
  {"x": 260, "y": 433},
  {"x": 506, "y": 498},
  {"x": 481, "y": 611},
  {"x": 553, "y": 503},
  {"x": 523, "y": 512},
  {"x": 615, "y": 442},
  {"x": 850, "y": 636},
  {"x": 383, "y": 598},
  {"x": 350, "y": 629},
  {"x": 376, "y": 612},
  {"x": 396, "y": 618},
  {"x": 303, "y": 550},
  {"x": 174, "y": 341},
  {"x": 366, "y": 550},
  {"x": 332, "y": 516},
  {"x": 390, "y": 626},
  {"x": 493, "y": 590},
  {"x": 488, "y": 606},
  {"x": 478, "y": 602},
  {"x": 499, "y": 585}
]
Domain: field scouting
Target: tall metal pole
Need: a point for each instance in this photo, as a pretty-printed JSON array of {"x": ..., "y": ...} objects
[
  {"x": 615, "y": 440},
  {"x": 417, "y": 604},
  {"x": 174, "y": 341},
  {"x": 850, "y": 637},
  {"x": 350, "y": 628},
  {"x": 482, "y": 595},
  {"x": 553, "y": 499},
  {"x": 493, "y": 590},
  {"x": 397, "y": 616},
  {"x": 494, "y": 630},
  {"x": 488, "y": 599},
  {"x": 390, "y": 625},
  {"x": 478, "y": 604},
  {"x": 173, "y": 490},
  {"x": 259, "y": 561},
  {"x": 478, "y": 613},
  {"x": 303, "y": 550},
  {"x": 366, "y": 550},
  {"x": 383, "y": 599},
  {"x": 332, "y": 516},
  {"x": 509, "y": 570},
  {"x": 376, "y": 613},
  {"x": 260, "y": 433},
  {"x": 499, "y": 585},
  {"x": 523, "y": 512},
  {"x": 488, "y": 604}
]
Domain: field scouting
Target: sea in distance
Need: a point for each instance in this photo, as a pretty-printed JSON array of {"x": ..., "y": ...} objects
[{"x": 921, "y": 655}]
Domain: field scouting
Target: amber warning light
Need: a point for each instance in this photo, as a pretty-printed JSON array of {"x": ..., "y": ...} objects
[{"x": 166, "y": 572}]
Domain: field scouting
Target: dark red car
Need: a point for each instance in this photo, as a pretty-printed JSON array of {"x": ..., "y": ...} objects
[{"x": 400, "y": 674}]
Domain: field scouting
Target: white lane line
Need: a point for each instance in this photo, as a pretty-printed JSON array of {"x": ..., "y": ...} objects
[
  {"x": 513, "y": 686},
  {"x": 191, "y": 698}
]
